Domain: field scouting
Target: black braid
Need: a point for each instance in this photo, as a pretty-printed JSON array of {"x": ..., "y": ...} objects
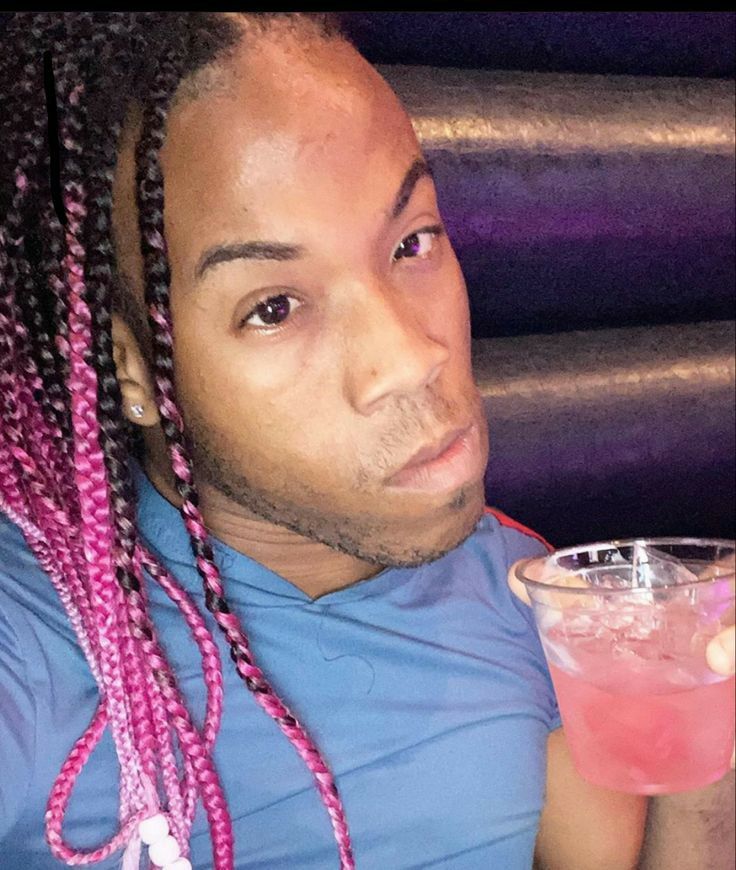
[
  {"x": 39, "y": 300},
  {"x": 26, "y": 149},
  {"x": 101, "y": 150},
  {"x": 121, "y": 60},
  {"x": 24, "y": 161},
  {"x": 158, "y": 278}
]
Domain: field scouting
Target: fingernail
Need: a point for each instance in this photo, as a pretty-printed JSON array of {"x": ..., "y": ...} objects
[{"x": 719, "y": 658}]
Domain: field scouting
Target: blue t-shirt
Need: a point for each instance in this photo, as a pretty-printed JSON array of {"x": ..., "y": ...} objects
[{"x": 425, "y": 689}]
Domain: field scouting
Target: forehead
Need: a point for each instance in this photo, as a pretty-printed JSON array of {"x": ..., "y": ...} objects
[
  {"x": 289, "y": 130},
  {"x": 289, "y": 116}
]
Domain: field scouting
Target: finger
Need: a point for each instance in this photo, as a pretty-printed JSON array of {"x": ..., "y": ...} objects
[
  {"x": 517, "y": 587},
  {"x": 721, "y": 652}
]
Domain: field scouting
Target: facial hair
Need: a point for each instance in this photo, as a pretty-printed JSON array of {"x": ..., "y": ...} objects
[{"x": 371, "y": 539}]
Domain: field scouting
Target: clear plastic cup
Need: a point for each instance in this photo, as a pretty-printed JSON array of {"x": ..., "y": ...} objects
[{"x": 625, "y": 626}]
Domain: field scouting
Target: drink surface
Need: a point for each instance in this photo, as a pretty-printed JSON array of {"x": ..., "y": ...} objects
[{"x": 650, "y": 725}]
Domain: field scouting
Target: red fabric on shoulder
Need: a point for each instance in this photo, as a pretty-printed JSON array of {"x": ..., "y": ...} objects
[{"x": 513, "y": 524}]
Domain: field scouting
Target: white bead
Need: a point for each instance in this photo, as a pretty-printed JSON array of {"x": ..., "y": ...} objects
[
  {"x": 154, "y": 828},
  {"x": 164, "y": 851},
  {"x": 179, "y": 864}
]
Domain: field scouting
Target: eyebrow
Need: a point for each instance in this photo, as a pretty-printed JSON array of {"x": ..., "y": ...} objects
[
  {"x": 246, "y": 251},
  {"x": 279, "y": 251},
  {"x": 419, "y": 169}
]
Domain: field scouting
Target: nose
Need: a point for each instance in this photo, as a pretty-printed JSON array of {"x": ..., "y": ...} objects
[{"x": 389, "y": 351}]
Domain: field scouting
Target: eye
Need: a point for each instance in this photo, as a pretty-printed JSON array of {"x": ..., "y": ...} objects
[
  {"x": 418, "y": 244},
  {"x": 271, "y": 312}
]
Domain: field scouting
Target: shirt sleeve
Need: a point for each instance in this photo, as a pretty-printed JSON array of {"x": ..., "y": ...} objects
[
  {"x": 17, "y": 727},
  {"x": 522, "y": 543},
  {"x": 555, "y": 720}
]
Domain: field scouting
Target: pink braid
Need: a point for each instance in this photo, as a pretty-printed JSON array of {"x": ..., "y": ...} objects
[
  {"x": 41, "y": 510},
  {"x": 61, "y": 792},
  {"x": 161, "y": 728},
  {"x": 211, "y": 664},
  {"x": 48, "y": 546},
  {"x": 109, "y": 595},
  {"x": 107, "y": 599},
  {"x": 54, "y": 486}
]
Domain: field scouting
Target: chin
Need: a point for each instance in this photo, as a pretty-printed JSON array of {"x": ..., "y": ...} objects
[
  {"x": 431, "y": 534},
  {"x": 464, "y": 504},
  {"x": 461, "y": 515}
]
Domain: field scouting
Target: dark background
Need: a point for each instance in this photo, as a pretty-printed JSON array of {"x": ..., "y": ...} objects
[
  {"x": 637, "y": 43},
  {"x": 654, "y": 455}
]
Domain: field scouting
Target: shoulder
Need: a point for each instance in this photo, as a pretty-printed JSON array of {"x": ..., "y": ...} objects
[
  {"x": 24, "y": 596},
  {"x": 47, "y": 691},
  {"x": 13, "y": 664},
  {"x": 516, "y": 534},
  {"x": 479, "y": 566},
  {"x": 502, "y": 540},
  {"x": 20, "y": 572},
  {"x": 33, "y": 617},
  {"x": 14, "y": 551},
  {"x": 12, "y": 555}
]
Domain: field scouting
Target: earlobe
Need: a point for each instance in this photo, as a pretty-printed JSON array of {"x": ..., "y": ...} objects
[{"x": 139, "y": 405}]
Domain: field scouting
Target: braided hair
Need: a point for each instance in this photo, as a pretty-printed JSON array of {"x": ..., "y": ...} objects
[{"x": 64, "y": 442}]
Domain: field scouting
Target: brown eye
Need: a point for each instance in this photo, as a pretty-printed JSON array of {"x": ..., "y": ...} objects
[
  {"x": 417, "y": 245},
  {"x": 272, "y": 311}
]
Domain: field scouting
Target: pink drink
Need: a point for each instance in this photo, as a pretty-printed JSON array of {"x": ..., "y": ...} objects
[
  {"x": 661, "y": 728},
  {"x": 625, "y": 627}
]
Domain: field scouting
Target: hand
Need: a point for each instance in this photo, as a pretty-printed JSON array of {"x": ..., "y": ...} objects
[{"x": 720, "y": 652}]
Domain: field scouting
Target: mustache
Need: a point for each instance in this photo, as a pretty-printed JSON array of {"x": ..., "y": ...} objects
[{"x": 414, "y": 422}]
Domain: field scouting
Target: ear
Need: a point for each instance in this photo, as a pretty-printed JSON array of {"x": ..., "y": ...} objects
[{"x": 139, "y": 405}]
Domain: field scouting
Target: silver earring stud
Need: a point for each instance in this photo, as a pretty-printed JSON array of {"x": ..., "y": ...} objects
[{"x": 136, "y": 410}]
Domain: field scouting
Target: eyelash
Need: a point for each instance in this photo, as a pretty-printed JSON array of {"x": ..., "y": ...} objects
[
  {"x": 435, "y": 231},
  {"x": 269, "y": 328}
]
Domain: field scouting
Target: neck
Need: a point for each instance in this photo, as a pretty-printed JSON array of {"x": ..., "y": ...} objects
[{"x": 311, "y": 566}]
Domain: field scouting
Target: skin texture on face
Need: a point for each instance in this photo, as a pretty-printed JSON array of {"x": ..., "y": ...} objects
[{"x": 307, "y": 381}]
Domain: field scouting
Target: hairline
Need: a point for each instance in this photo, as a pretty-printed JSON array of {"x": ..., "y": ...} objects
[{"x": 212, "y": 78}]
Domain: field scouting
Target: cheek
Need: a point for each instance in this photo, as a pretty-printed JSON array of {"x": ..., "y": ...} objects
[
  {"x": 249, "y": 397},
  {"x": 450, "y": 313},
  {"x": 219, "y": 367}
]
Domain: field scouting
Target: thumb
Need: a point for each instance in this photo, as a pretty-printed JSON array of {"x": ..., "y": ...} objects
[{"x": 721, "y": 652}]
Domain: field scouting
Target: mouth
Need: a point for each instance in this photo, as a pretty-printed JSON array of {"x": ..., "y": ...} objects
[{"x": 448, "y": 464}]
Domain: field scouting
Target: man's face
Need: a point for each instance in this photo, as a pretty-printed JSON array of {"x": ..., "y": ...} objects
[{"x": 312, "y": 368}]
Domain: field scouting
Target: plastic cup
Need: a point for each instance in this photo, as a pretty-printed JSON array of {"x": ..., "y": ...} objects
[{"x": 624, "y": 626}]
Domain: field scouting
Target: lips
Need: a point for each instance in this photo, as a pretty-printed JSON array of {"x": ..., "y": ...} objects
[
  {"x": 432, "y": 451},
  {"x": 449, "y": 463}
]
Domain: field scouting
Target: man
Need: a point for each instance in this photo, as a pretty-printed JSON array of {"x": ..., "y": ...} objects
[{"x": 325, "y": 437}]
